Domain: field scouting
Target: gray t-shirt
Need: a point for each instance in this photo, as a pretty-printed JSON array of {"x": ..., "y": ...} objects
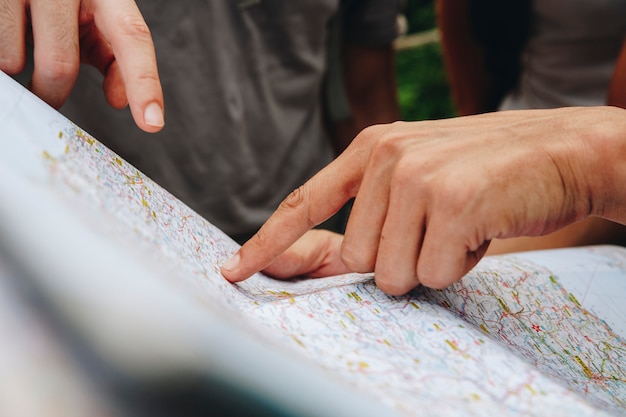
[
  {"x": 571, "y": 54},
  {"x": 243, "y": 110}
]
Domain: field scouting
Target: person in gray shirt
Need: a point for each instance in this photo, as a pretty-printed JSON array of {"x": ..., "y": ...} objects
[{"x": 243, "y": 89}]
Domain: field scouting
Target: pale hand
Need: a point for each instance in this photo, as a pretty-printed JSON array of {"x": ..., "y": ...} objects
[
  {"x": 431, "y": 195},
  {"x": 109, "y": 34}
]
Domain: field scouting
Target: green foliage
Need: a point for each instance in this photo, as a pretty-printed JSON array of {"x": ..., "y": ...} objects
[
  {"x": 423, "y": 88},
  {"x": 420, "y": 15}
]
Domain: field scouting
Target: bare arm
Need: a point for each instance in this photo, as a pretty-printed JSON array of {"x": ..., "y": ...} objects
[
  {"x": 470, "y": 83},
  {"x": 617, "y": 92},
  {"x": 370, "y": 85}
]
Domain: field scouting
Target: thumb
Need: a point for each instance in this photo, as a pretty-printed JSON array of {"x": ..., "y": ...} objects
[
  {"x": 311, "y": 204},
  {"x": 316, "y": 254}
]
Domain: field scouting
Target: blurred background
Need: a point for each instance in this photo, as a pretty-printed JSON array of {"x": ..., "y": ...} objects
[{"x": 422, "y": 85}]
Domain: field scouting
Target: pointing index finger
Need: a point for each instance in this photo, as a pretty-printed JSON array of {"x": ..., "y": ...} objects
[
  {"x": 311, "y": 204},
  {"x": 122, "y": 24}
]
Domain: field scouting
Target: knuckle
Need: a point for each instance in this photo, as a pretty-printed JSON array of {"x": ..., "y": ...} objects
[
  {"x": 455, "y": 196},
  {"x": 386, "y": 146},
  {"x": 135, "y": 27},
  {"x": 58, "y": 68},
  {"x": 449, "y": 194},
  {"x": 410, "y": 180},
  {"x": 374, "y": 133},
  {"x": 151, "y": 77},
  {"x": 12, "y": 64},
  {"x": 406, "y": 176},
  {"x": 259, "y": 239},
  {"x": 260, "y": 243},
  {"x": 369, "y": 132},
  {"x": 391, "y": 144},
  {"x": 355, "y": 260},
  {"x": 295, "y": 202}
]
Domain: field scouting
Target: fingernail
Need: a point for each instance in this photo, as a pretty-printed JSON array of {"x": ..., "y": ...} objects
[
  {"x": 153, "y": 115},
  {"x": 232, "y": 263}
]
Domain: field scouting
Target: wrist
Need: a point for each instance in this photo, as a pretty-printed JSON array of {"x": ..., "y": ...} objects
[{"x": 605, "y": 162}]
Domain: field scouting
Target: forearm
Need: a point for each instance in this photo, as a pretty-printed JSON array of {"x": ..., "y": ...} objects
[
  {"x": 370, "y": 85},
  {"x": 372, "y": 97},
  {"x": 617, "y": 92},
  {"x": 469, "y": 82}
]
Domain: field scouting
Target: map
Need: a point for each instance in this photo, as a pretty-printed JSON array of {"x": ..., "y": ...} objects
[{"x": 509, "y": 339}]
